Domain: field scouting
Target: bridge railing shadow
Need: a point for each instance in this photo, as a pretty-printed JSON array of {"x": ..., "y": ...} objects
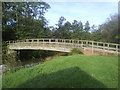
[{"x": 68, "y": 78}]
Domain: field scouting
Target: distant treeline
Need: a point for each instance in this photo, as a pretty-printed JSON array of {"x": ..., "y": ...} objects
[{"x": 21, "y": 20}]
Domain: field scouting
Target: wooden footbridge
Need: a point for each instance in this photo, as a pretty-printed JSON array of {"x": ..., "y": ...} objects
[{"x": 65, "y": 45}]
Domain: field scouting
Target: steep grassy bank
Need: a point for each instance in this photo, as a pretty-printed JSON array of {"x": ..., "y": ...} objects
[{"x": 67, "y": 71}]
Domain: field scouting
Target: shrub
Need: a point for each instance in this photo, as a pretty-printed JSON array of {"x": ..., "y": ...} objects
[{"x": 76, "y": 51}]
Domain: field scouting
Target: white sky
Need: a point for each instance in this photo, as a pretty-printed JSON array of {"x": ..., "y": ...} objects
[{"x": 94, "y": 12}]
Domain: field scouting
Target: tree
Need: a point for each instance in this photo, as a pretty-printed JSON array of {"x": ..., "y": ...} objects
[
  {"x": 77, "y": 28},
  {"x": 96, "y": 34},
  {"x": 61, "y": 21},
  {"x": 87, "y": 27},
  {"x": 110, "y": 30},
  {"x": 24, "y": 19},
  {"x": 86, "y": 34},
  {"x": 59, "y": 29},
  {"x": 65, "y": 33}
]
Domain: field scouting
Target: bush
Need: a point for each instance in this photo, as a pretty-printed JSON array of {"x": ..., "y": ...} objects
[
  {"x": 10, "y": 60},
  {"x": 76, "y": 51}
]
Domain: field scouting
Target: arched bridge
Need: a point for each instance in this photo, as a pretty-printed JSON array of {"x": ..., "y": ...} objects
[{"x": 65, "y": 45}]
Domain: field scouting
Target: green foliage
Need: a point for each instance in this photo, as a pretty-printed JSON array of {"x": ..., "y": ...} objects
[
  {"x": 110, "y": 29},
  {"x": 76, "y": 51},
  {"x": 107, "y": 32},
  {"x": 23, "y": 20},
  {"x": 77, "y": 30},
  {"x": 87, "y": 27},
  {"x": 9, "y": 59},
  {"x": 76, "y": 71},
  {"x": 4, "y": 47},
  {"x": 96, "y": 34}
]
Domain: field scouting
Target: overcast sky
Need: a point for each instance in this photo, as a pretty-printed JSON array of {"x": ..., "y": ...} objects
[{"x": 94, "y": 12}]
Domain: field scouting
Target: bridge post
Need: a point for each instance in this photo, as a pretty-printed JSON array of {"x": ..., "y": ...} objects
[
  {"x": 37, "y": 41},
  {"x": 81, "y": 43},
  {"x": 62, "y": 40},
  {"x": 78, "y": 43},
  {"x": 116, "y": 49},
  {"x": 56, "y": 43},
  {"x": 50, "y": 44},
  {"x": 92, "y": 48},
  {"x": 73, "y": 43},
  {"x": 108, "y": 46},
  {"x": 97, "y": 44},
  {"x": 86, "y": 43},
  {"x": 43, "y": 40},
  {"x": 50, "y": 40},
  {"x": 103, "y": 48},
  {"x": 64, "y": 43},
  {"x": 56, "y": 40}
]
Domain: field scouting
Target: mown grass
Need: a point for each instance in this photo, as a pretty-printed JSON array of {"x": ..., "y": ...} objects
[{"x": 76, "y": 71}]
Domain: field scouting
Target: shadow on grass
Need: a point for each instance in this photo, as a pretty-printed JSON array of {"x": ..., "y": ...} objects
[{"x": 67, "y": 78}]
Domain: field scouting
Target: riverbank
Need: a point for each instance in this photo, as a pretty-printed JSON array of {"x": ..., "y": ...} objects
[{"x": 28, "y": 63}]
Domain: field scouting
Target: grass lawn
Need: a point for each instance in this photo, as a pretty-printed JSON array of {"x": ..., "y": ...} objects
[{"x": 76, "y": 71}]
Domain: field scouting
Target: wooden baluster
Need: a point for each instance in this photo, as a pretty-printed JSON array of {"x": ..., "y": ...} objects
[
  {"x": 49, "y": 44},
  {"x": 86, "y": 43},
  {"x": 49, "y": 40},
  {"x": 78, "y": 43},
  {"x": 73, "y": 43},
  {"x": 108, "y": 46},
  {"x": 37, "y": 42},
  {"x": 117, "y": 49},
  {"x": 43, "y": 43},
  {"x": 103, "y": 48},
  {"x": 32, "y": 43},
  {"x": 97, "y": 45},
  {"x": 92, "y": 48},
  {"x": 56, "y": 40},
  {"x": 82, "y": 44},
  {"x": 64, "y": 43}
]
